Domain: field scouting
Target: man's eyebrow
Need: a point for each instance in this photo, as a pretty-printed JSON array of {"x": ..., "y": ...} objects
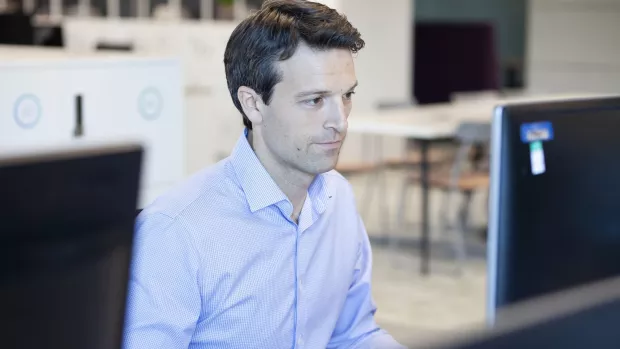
[
  {"x": 311, "y": 93},
  {"x": 320, "y": 92}
]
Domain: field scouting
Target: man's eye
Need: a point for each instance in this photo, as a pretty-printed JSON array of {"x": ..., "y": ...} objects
[
  {"x": 349, "y": 95},
  {"x": 314, "y": 101}
]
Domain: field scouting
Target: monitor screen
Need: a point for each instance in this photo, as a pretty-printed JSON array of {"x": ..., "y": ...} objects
[{"x": 555, "y": 198}]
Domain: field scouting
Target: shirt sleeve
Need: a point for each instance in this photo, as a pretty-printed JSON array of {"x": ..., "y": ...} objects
[
  {"x": 163, "y": 303},
  {"x": 356, "y": 326}
]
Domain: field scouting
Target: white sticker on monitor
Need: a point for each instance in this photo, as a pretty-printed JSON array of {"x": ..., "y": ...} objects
[{"x": 537, "y": 157}]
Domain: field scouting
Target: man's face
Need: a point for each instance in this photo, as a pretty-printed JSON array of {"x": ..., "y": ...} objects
[{"x": 305, "y": 123}]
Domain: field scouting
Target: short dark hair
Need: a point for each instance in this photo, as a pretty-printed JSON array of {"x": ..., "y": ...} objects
[{"x": 273, "y": 33}]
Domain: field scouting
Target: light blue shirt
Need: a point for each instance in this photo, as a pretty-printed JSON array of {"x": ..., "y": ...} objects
[{"x": 218, "y": 263}]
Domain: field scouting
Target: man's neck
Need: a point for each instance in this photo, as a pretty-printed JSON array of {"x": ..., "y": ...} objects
[{"x": 294, "y": 184}]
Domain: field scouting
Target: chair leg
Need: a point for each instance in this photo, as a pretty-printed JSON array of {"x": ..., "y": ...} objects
[
  {"x": 445, "y": 225},
  {"x": 464, "y": 210},
  {"x": 452, "y": 229},
  {"x": 400, "y": 216},
  {"x": 460, "y": 249},
  {"x": 482, "y": 234},
  {"x": 462, "y": 227},
  {"x": 384, "y": 210},
  {"x": 368, "y": 192},
  {"x": 366, "y": 198}
]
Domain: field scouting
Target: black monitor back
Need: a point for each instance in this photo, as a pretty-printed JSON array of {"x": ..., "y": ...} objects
[
  {"x": 16, "y": 29},
  {"x": 582, "y": 317},
  {"x": 65, "y": 247},
  {"x": 555, "y": 221}
]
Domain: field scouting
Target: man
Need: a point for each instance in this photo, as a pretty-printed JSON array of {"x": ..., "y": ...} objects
[{"x": 265, "y": 249}]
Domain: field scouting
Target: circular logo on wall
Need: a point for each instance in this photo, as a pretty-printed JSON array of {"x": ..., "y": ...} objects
[
  {"x": 27, "y": 111},
  {"x": 150, "y": 103}
]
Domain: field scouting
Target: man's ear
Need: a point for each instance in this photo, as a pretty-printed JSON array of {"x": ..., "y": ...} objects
[{"x": 251, "y": 103}]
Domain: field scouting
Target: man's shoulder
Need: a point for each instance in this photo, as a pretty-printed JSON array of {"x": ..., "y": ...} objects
[{"x": 203, "y": 193}]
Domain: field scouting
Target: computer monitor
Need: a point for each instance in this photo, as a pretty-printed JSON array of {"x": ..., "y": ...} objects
[
  {"x": 65, "y": 246},
  {"x": 554, "y": 203},
  {"x": 582, "y": 317},
  {"x": 16, "y": 29}
]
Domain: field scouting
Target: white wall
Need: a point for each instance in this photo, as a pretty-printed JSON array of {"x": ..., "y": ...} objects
[
  {"x": 573, "y": 46},
  {"x": 213, "y": 124},
  {"x": 384, "y": 67}
]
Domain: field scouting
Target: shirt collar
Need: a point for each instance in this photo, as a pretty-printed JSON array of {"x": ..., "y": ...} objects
[{"x": 260, "y": 189}]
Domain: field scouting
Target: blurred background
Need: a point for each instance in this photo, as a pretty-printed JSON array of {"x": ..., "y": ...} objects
[{"x": 417, "y": 152}]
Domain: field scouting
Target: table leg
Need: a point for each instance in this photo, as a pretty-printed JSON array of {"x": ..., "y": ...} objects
[{"x": 425, "y": 238}]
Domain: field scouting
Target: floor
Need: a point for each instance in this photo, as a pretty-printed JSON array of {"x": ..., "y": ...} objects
[{"x": 418, "y": 309}]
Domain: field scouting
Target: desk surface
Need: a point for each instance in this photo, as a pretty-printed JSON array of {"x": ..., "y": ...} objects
[
  {"x": 422, "y": 122},
  {"x": 436, "y": 121}
]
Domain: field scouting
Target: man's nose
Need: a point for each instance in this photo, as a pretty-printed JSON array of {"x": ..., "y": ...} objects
[{"x": 338, "y": 117}]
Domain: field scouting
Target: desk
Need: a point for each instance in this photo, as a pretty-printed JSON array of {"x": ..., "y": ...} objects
[{"x": 425, "y": 124}]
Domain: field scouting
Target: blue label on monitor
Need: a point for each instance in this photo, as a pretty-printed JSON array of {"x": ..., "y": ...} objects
[{"x": 536, "y": 132}]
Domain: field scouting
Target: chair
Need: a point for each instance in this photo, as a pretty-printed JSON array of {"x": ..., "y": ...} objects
[
  {"x": 374, "y": 170},
  {"x": 439, "y": 155},
  {"x": 375, "y": 166},
  {"x": 468, "y": 173}
]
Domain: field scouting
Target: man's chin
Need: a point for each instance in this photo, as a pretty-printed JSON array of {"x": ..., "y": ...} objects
[
  {"x": 318, "y": 169},
  {"x": 328, "y": 167},
  {"x": 321, "y": 164}
]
